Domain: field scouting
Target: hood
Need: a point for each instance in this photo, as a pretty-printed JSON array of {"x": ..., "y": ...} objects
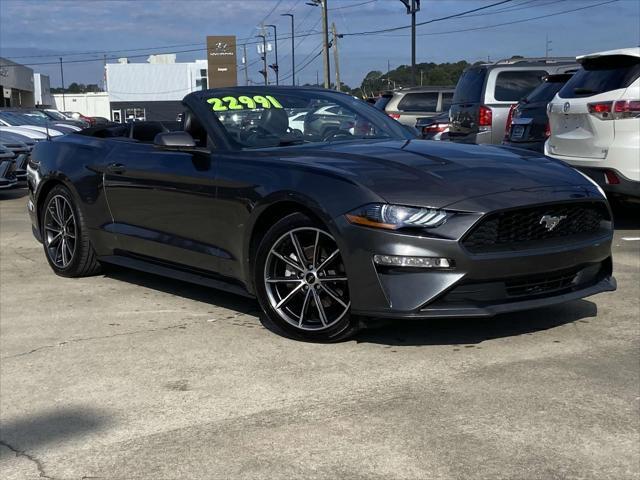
[
  {"x": 33, "y": 134},
  {"x": 437, "y": 174}
]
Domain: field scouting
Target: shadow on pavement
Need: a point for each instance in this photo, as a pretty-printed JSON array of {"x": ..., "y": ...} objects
[
  {"x": 626, "y": 216},
  {"x": 33, "y": 431},
  {"x": 460, "y": 331},
  {"x": 198, "y": 293},
  {"x": 13, "y": 194}
]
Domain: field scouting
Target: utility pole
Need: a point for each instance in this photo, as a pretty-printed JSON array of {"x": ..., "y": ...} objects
[
  {"x": 547, "y": 48},
  {"x": 421, "y": 72},
  {"x": 388, "y": 75},
  {"x": 244, "y": 56},
  {"x": 104, "y": 64},
  {"x": 325, "y": 35},
  {"x": 293, "y": 49},
  {"x": 64, "y": 107},
  {"x": 275, "y": 41},
  {"x": 336, "y": 55},
  {"x": 264, "y": 70},
  {"x": 413, "y": 6},
  {"x": 317, "y": 79}
]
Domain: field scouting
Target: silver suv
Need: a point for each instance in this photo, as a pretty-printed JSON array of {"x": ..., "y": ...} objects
[
  {"x": 408, "y": 104},
  {"x": 485, "y": 93}
]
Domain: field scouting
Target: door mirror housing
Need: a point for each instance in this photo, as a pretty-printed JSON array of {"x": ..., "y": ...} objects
[{"x": 175, "y": 141}]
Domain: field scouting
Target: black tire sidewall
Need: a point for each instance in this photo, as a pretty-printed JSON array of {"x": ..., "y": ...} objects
[
  {"x": 340, "y": 331},
  {"x": 73, "y": 268}
]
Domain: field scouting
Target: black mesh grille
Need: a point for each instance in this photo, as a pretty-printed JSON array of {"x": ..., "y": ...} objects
[{"x": 528, "y": 227}]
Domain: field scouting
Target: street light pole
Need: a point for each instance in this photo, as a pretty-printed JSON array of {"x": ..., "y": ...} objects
[
  {"x": 413, "y": 6},
  {"x": 64, "y": 107},
  {"x": 293, "y": 49},
  {"x": 264, "y": 58},
  {"x": 275, "y": 66}
]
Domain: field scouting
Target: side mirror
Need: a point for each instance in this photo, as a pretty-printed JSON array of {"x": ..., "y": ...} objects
[{"x": 174, "y": 140}]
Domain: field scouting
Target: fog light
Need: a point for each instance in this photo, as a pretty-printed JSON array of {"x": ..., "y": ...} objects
[{"x": 415, "y": 262}]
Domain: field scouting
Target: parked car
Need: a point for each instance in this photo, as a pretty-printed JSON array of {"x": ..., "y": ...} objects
[
  {"x": 527, "y": 122},
  {"x": 21, "y": 152},
  {"x": 485, "y": 93},
  {"x": 595, "y": 121},
  {"x": 79, "y": 116},
  {"x": 323, "y": 227},
  {"x": 58, "y": 116},
  {"x": 408, "y": 104},
  {"x": 7, "y": 176},
  {"x": 41, "y": 118},
  {"x": 434, "y": 128},
  {"x": 23, "y": 123}
]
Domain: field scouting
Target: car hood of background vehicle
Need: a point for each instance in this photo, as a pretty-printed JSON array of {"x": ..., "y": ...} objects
[{"x": 429, "y": 173}]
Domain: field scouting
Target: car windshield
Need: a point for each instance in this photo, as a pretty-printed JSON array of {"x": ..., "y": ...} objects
[
  {"x": 56, "y": 115},
  {"x": 602, "y": 74},
  {"x": 25, "y": 118},
  {"x": 253, "y": 118},
  {"x": 547, "y": 89}
]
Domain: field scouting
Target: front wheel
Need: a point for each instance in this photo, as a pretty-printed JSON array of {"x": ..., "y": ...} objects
[
  {"x": 301, "y": 281},
  {"x": 65, "y": 236}
]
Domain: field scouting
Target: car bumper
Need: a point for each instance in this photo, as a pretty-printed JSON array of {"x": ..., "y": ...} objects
[
  {"x": 626, "y": 187},
  {"x": 479, "y": 138},
  {"x": 477, "y": 285},
  {"x": 537, "y": 146}
]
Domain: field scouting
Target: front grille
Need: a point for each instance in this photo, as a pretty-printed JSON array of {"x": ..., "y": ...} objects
[
  {"x": 525, "y": 228},
  {"x": 546, "y": 283}
]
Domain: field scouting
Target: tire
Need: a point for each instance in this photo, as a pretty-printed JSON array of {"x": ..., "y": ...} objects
[
  {"x": 67, "y": 247},
  {"x": 305, "y": 302}
]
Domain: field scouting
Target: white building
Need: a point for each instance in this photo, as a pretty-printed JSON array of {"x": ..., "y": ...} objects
[
  {"x": 42, "y": 90},
  {"x": 89, "y": 104},
  {"x": 153, "y": 90}
]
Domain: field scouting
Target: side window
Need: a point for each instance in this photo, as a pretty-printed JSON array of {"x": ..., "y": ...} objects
[
  {"x": 419, "y": 102},
  {"x": 447, "y": 97},
  {"x": 513, "y": 85},
  {"x": 194, "y": 127}
]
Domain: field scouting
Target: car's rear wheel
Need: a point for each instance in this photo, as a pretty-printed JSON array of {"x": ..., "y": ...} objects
[
  {"x": 301, "y": 281},
  {"x": 65, "y": 237}
]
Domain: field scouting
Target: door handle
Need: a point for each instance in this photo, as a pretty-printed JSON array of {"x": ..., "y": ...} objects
[{"x": 116, "y": 168}]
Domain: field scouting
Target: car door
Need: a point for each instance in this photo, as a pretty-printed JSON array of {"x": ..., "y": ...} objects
[{"x": 163, "y": 202}]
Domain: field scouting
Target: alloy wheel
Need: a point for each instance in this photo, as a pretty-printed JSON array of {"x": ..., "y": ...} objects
[
  {"x": 305, "y": 279},
  {"x": 60, "y": 231}
]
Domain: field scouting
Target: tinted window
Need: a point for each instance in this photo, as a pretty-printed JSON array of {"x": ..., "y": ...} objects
[
  {"x": 602, "y": 75},
  {"x": 469, "y": 87},
  {"x": 446, "y": 101},
  {"x": 545, "y": 92},
  {"x": 419, "y": 102},
  {"x": 512, "y": 86},
  {"x": 382, "y": 102}
]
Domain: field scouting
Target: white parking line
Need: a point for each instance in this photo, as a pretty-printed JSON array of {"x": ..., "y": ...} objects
[{"x": 631, "y": 239}]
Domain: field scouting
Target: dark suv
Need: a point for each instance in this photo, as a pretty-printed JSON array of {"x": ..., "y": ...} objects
[{"x": 485, "y": 93}]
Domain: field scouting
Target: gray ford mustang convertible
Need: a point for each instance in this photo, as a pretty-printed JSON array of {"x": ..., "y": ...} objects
[{"x": 326, "y": 217}]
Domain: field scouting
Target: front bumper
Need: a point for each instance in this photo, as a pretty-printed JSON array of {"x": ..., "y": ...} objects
[
  {"x": 626, "y": 187},
  {"x": 478, "y": 285}
]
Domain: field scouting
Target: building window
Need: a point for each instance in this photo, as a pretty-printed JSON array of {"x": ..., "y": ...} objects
[
  {"x": 134, "y": 115},
  {"x": 201, "y": 84}
]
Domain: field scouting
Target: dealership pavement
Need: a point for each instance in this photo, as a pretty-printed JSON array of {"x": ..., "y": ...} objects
[{"x": 127, "y": 376}]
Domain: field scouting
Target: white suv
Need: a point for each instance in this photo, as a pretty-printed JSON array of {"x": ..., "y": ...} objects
[{"x": 595, "y": 121}]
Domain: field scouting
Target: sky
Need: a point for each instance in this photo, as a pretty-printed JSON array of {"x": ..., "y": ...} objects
[{"x": 40, "y": 31}]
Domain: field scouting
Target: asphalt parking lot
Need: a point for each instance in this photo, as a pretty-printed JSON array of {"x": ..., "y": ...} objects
[{"x": 127, "y": 375}]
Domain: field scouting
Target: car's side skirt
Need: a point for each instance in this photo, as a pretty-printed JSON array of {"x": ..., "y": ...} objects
[{"x": 176, "y": 272}]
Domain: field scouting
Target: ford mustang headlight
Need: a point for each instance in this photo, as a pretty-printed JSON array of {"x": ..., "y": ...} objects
[{"x": 394, "y": 217}]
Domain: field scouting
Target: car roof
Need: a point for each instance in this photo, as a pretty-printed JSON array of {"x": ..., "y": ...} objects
[
  {"x": 526, "y": 62},
  {"x": 631, "y": 52},
  {"x": 425, "y": 88}
]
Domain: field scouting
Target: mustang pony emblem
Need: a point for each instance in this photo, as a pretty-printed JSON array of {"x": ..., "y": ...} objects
[{"x": 550, "y": 222}]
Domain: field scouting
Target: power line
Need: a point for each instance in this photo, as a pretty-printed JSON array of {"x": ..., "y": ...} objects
[
  {"x": 440, "y": 19},
  {"x": 353, "y": 5}
]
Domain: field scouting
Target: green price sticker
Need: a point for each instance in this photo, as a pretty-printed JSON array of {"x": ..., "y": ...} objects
[{"x": 239, "y": 103}]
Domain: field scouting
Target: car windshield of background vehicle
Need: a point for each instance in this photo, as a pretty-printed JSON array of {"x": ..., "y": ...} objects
[
  {"x": 512, "y": 86},
  {"x": 56, "y": 115},
  {"x": 255, "y": 119},
  {"x": 419, "y": 102},
  {"x": 447, "y": 98},
  {"x": 601, "y": 75},
  {"x": 469, "y": 87},
  {"x": 545, "y": 92},
  {"x": 381, "y": 103}
]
